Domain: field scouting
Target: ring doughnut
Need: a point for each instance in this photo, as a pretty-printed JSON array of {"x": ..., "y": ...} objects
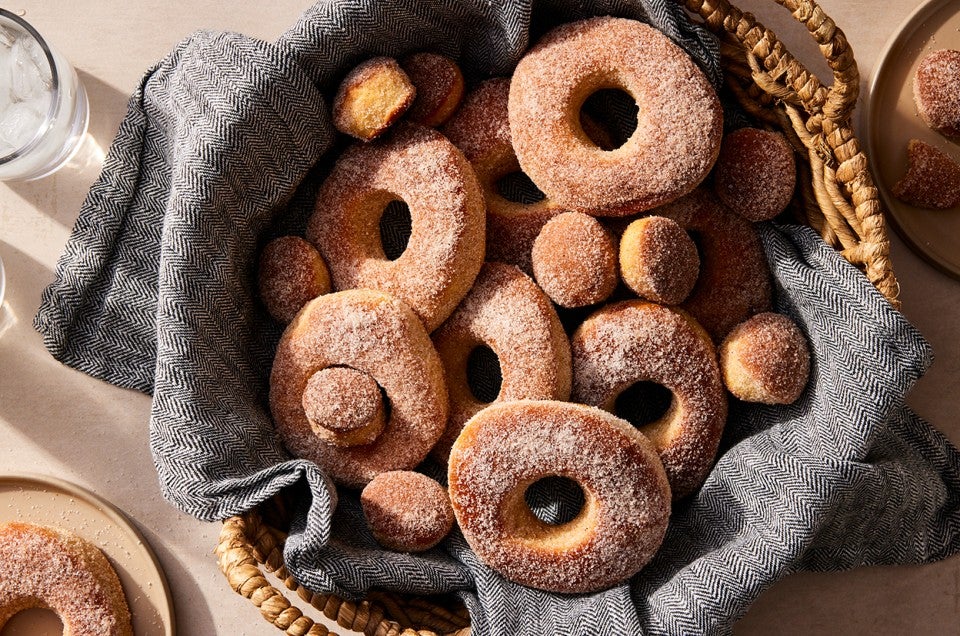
[
  {"x": 575, "y": 260},
  {"x": 637, "y": 341},
  {"x": 756, "y": 173},
  {"x": 734, "y": 280},
  {"x": 481, "y": 129},
  {"x": 439, "y": 85},
  {"x": 291, "y": 274},
  {"x": 507, "y": 312},
  {"x": 446, "y": 247},
  {"x": 51, "y": 568},
  {"x": 766, "y": 359},
  {"x": 508, "y": 447},
  {"x": 376, "y": 334},
  {"x": 679, "y": 124},
  {"x": 372, "y": 96},
  {"x": 406, "y": 511}
]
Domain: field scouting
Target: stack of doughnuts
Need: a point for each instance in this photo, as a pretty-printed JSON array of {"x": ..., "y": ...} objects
[{"x": 510, "y": 335}]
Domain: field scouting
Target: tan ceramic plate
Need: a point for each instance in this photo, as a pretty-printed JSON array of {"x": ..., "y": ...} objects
[
  {"x": 892, "y": 120},
  {"x": 48, "y": 501}
]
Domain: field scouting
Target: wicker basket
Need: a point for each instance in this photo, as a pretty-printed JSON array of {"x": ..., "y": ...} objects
[{"x": 836, "y": 196}]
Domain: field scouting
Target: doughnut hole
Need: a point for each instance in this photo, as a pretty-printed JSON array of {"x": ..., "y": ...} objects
[
  {"x": 936, "y": 87},
  {"x": 371, "y": 98},
  {"x": 608, "y": 117},
  {"x": 555, "y": 500},
  {"x": 484, "y": 376},
  {"x": 345, "y": 407},
  {"x": 659, "y": 261},
  {"x": 755, "y": 174},
  {"x": 575, "y": 260},
  {"x": 396, "y": 226},
  {"x": 440, "y": 86},
  {"x": 406, "y": 511},
  {"x": 765, "y": 359},
  {"x": 291, "y": 273}
]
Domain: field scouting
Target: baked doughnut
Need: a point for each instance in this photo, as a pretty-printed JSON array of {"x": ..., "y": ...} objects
[
  {"x": 932, "y": 179},
  {"x": 446, "y": 246},
  {"x": 637, "y": 341},
  {"x": 659, "y": 260},
  {"x": 439, "y": 85},
  {"x": 51, "y": 568},
  {"x": 374, "y": 333},
  {"x": 481, "y": 129},
  {"x": 291, "y": 274},
  {"x": 406, "y": 511},
  {"x": 371, "y": 98},
  {"x": 756, "y": 174},
  {"x": 508, "y": 447},
  {"x": 575, "y": 260},
  {"x": 734, "y": 281},
  {"x": 766, "y": 359},
  {"x": 678, "y": 130},
  {"x": 507, "y": 312},
  {"x": 344, "y": 406},
  {"x": 936, "y": 91}
]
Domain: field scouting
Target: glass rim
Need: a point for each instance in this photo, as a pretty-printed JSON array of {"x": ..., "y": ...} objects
[{"x": 54, "y": 87}]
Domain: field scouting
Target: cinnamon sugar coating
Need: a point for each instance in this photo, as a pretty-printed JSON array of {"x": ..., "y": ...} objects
[
  {"x": 659, "y": 260},
  {"x": 439, "y": 84},
  {"x": 374, "y": 95},
  {"x": 406, "y": 511},
  {"x": 575, "y": 260},
  {"x": 446, "y": 247},
  {"x": 756, "y": 173},
  {"x": 766, "y": 359},
  {"x": 679, "y": 124},
  {"x": 52, "y": 568},
  {"x": 481, "y": 129},
  {"x": 291, "y": 274},
  {"x": 636, "y": 341},
  {"x": 936, "y": 91},
  {"x": 344, "y": 406},
  {"x": 507, "y": 312},
  {"x": 507, "y": 447},
  {"x": 377, "y": 334},
  {"x": 932, "y": 179},
  {"x": 734, "y": 281}
]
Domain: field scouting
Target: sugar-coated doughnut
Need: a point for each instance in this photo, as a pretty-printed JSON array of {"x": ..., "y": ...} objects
[
  {"x": 406, "y": 511},
  {"x": 734, "y": 280},
  {"x": 932, "y": 179},
  {"x": 756, "y": 173},
  {"x": 291, "y": 273},
  {"x": 481, "y": 129},
  {"x": 637, "y": 341},
  {"x": 439, "y": 84},
  {"x": 344, "y": 406},
  {"x": 507, "y": 312},
  {"x": 575, "y": 260},
  {"x": 375, "y": 333},
  {"x": 766, "y": 359},
  {"x": 659, "y": 260},
  {"x": 372, "y": 96},
  {"x": 508, "y": 447},
  {"x": 679, "y": 123},
  {"x": 936, "y": 91},
  {"x": 52, "y": 568},
  {"x": 446, "y": 247}
]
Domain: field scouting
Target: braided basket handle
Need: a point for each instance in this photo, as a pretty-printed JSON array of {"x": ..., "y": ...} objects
[{"x": 843, "y": 203}]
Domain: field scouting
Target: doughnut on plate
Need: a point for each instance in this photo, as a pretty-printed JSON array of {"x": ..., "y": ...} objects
[
  {"x": 891, "y": 120},
  {"x": 53, "y": 502}
]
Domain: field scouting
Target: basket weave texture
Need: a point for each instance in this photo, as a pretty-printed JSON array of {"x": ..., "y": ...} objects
[{"x": 836, "y": 196}]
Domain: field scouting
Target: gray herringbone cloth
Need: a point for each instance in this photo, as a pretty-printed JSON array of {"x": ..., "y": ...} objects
[{"x": 217, "y": 154}]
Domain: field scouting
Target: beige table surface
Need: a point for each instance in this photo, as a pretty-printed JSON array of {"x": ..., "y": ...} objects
[{"x": 57, "y": 421}]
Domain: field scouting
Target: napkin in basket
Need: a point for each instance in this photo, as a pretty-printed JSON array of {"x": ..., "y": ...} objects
[{"x": 223, "y": 146}]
